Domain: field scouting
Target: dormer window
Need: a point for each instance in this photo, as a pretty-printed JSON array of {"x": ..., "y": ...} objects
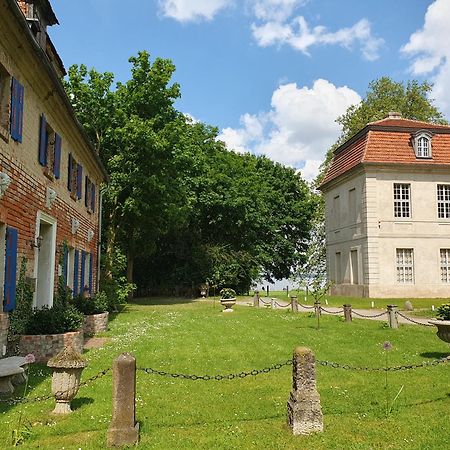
[{"x": 422, "y": 144}]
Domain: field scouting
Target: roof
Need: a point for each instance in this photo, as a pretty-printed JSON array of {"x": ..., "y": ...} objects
[{"x": 389, "y": 141}]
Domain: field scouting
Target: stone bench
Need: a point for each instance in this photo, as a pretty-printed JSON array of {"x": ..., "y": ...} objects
[{"x": 12, "y": 371}]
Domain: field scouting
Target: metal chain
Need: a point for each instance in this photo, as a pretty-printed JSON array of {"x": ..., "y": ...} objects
[
  {"x": 41, "y": 398},
  {"x": 282, "y": 306},
  {"x": 414, "y": 321},
  {"x": 331, "y": 312},
  {"x": 219, "y": 377},
  {"x": 335, "y": 365},
  {"x": 306, "y": 307},
  {"x": 263, "y": 302},
  {"x": 367, "y": 316}
]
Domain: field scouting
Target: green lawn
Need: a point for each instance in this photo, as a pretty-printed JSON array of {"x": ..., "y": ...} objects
[{"x": 195, "y": 337}]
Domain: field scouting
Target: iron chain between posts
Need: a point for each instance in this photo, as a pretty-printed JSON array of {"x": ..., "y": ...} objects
[
  {"x": 335, "y": 365},
  {"x": 263, "y": 302},
  {"x": 219, "y": 377},
  {"x": 331, "y": 312},
  {"x": 368, "y": 316},
  {"x": 282, "y": 306},
  {"x": 306, "y": 307},
  {"x": 414, "y": 321},
  {"x": 42, "y": 398}
]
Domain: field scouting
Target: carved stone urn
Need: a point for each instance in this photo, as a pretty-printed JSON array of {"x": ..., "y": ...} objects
[
  {"x": 67, "y": 367},
  {"x": 443, "y": 327},
  {"x": 228, "y": 304}
]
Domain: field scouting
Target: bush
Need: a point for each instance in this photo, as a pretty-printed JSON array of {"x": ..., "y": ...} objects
[
  {"x": 95, "y": 305},
  {"x": 443, "y": 312},
  {"x": 227, "y": 293},
  {"x": 56, "y": 320}
]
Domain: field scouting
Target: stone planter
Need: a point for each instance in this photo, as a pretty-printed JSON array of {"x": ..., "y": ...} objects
[
  {"x": 228, "y": 304},
  {"x": 95, "y": 323},
  {"x": 45, "y": 346},
  {"x": 67, "y": 367},
  {"x": 443, "y": 327}
]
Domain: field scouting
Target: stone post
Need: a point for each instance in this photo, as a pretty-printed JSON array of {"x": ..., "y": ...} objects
[
  {"x": 272, "y": 303},
  {"x": 123, "y": 429},
  {"x": 256, "y": 299},
  {"x": 348, "y": 313},
  {"x": 294, "y": 303},
  {"x": 392, "y": 316},
  {"x": 303, "y": 407},
  {"x": 317, "y": 311}
]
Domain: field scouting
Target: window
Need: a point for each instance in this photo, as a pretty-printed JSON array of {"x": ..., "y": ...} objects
[
  {"x": 422, "y": 143},
  {"x": 445, "y": 265},
  {"x": 74, "y": 178},
  {"x": 443, "y": 201},
  {"x": 405, "y": 265},
  {"x": 352, "y": 205},
  {"x": 11, "y": 106},
  {"x": 49, "y": 149},
  {"x": 338, "y": 274},
  {"x": 354, "y": 266},
  {"x": 89, "y": 195},
  {"x": 336, "y": 210},
  {"x": 402, "y": 200}
]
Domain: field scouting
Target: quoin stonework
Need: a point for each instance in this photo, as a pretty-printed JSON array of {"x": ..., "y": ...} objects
[
  {"x": 387, "y": 196},
  {"x": 50, "y": 175}
]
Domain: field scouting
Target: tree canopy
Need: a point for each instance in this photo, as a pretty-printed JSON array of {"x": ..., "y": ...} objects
[{"x": 179, "y": 206}]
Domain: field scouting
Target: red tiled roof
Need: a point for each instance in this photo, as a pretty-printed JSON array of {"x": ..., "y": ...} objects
[{"x": 387, "y": 141}]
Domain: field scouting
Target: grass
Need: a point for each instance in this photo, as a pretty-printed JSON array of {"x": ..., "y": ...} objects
[{"x": 250, "y": 413}]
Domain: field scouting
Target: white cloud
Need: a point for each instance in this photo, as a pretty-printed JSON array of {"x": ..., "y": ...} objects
[
  {"x": 192, "y": 10},
  {"x": 299, "y": 35},
  {"x": 275, "y": 10},
  {"x": 430, "y": 48},
  {"x": 299, "y": 128}
]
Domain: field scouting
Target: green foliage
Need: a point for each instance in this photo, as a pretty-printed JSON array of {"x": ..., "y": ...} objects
[
  {"x": 55, "y": 320},
  {"x": 227, "y": 293},
  {"x": 443, "y": 311},
  {"x": 384, "y": 95},
  {"x": 95, "y": 305},
  {"x": 21, "y": 315}
]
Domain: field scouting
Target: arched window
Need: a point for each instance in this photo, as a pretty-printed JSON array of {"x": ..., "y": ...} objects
[{"x": 422, "y": 143}]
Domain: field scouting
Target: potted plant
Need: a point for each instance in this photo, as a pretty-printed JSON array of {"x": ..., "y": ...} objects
[
  {"x": 95, "y": 310},
  {"x": 228, "y": 299},
  {"x": 443, "y": 322}
]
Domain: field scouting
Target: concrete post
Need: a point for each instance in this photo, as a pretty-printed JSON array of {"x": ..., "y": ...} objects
[
  {"x": 256, "y": 299},
  {"x": 392, "y": 316},
  {"x": 348, "y": 313},
  {"x": 123, "y": 429},
  {"x": 303, "y": 407},
  {"x": 294, "y": 303},
  {"x": 317, "y": 311},
  {"x": 272, "y": 303}
]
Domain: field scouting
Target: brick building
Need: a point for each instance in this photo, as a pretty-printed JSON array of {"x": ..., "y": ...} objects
[
  {"x": 50, "y": 175},
  {"x": 387, "y": 196}
]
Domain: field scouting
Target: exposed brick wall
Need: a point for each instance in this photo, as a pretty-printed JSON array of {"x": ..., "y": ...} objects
[
  {"x": 44, "y": 347},
  {"x": 95, "y": 323},
  {"x": 4, "y": 324}
]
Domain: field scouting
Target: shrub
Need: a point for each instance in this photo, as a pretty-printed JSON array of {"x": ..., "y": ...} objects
[
  {"x": 56, "y": 320},
  {"x": 227, "y": 293},
  {"x": 95, "y": 305},
  {"x": 443, "y": 312}
]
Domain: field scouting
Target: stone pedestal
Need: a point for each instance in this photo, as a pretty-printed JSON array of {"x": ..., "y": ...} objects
[
  {"x": 303, "y": 407},
  {"x": 348, "y": 313},
  {"x": 123, "y": 429},
  {"x": 256, "y": 299}
]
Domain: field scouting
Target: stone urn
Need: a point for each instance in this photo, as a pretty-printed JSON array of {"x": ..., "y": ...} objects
[
  {"x": 67, "y": 367},
  {"x": 228, "y": 304},
  {"x": 443, "y": 327}
]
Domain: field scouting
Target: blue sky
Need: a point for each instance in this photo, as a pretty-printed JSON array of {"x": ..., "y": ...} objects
[{"x": 272, "y": 75}]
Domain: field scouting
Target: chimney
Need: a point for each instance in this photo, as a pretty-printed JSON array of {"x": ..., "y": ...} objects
[{"x": 393, "y": 115}]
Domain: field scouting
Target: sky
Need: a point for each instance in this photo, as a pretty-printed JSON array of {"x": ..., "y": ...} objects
[{"x": 272, "y": 75}]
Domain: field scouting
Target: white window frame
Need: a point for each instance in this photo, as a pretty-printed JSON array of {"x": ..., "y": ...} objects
[
  {"x": 402, "y": 200},
  {"x": 444, "y": 264},
  {"x": 70, "y": 267},
  {"x": 443, "y": 201},
  {"x": 404, "y": 265},
  {"x": 419, "y": 140}
]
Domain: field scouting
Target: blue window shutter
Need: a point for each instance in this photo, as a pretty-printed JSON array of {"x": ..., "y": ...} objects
[
  {"x": 79, "y": 180},
  {"x": 86, "y": 190},
  {"x": 75, "y": 272},
  {"x": 69, "y": 173},
  {"x": 83, "y": 268},
  {"x": 65, "y": 264},
  {"x": 91, "y": 262},
  {"x": 57, "y": 163},
  {"x": 16, "y": 117},
  {"x": 43, "y": 142},
  {"x": 93, "y": 198},
  {"x": 10, "y": 269}
]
